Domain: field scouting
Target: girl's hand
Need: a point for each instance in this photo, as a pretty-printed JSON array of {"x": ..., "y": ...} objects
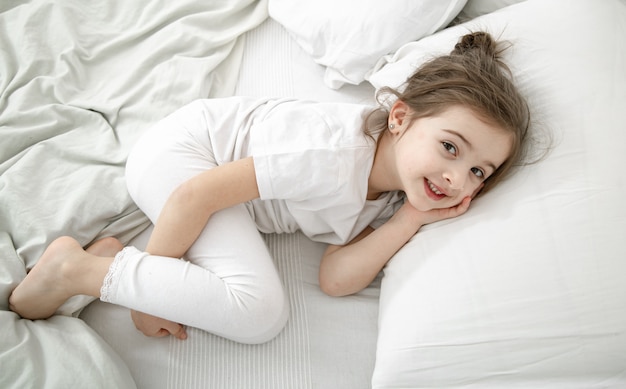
[
  {"x": 155, "y": 326},
  {"x": 420, "y": 218}
]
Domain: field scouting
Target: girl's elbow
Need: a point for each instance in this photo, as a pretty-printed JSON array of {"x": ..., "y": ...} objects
[
  {"x": 334, "y": 279},
  {"x": 328, "y": 283},
  {"x": 332, "y": 286}
]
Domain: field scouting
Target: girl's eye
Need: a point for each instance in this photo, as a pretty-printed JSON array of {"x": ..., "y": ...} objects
[
  {"x": 449, "y": 147},
  {"x": 478, "y": 172}
]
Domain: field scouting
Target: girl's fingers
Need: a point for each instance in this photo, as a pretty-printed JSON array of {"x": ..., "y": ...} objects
[
  {"x": 158, "y": 327},
  {"x": 460, "y": 209},
  {"x": 174, "y": 329},
  {"x": 179, "y": 333},
  {"x": 160, "y": 333},
  {"x": 464, "y": 206}
]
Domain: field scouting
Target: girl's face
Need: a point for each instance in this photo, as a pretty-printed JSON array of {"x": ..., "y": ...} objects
[{"x": 444, "y": 158}]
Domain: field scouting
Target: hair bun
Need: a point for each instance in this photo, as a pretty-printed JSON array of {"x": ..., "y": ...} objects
[{"x": 481, "y": 41}]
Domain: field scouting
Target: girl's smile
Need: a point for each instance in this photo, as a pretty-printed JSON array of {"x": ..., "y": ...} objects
[{"x": 433, "y": 191}]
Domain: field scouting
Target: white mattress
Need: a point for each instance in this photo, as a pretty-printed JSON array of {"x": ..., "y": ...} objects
[{"x": 328, "y": 342}]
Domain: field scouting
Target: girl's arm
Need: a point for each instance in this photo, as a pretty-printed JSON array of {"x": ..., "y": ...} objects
[
  {"x": 183, "y": 217},
  {"x": 190, "y": 206},
  {"x": 348, "y": 269}
]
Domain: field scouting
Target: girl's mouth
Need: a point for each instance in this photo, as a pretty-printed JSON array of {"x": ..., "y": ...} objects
[{"x": 433, "y": 191}]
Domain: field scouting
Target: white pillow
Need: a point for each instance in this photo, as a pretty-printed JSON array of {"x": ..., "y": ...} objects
[
  {"x": 349, "y": 36},
  {"x": 528, "y": 288},
  {"x": 476, "y": 8}
]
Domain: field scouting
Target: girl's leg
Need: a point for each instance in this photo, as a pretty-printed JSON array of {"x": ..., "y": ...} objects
[
  {"x": 231, "y": 290},
  {"x": 229, "y": 285},
  {"x": 64, "y": 270}
]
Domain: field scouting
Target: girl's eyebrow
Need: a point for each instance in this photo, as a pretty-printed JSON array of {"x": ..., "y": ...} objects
[{"x": 469, "y": 146}]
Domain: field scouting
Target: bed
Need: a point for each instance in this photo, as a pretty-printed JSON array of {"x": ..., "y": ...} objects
[{"x": 525, "y": 290}]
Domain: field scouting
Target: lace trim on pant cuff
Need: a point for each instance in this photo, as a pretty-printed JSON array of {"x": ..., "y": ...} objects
[{"x": 112, "y": 275}]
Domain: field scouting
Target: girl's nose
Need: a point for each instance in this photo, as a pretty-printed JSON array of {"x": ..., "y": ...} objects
[{"x": 455, "y": 179}]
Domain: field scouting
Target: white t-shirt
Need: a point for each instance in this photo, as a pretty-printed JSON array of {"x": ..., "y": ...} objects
[{"x": 312, "y": 162}]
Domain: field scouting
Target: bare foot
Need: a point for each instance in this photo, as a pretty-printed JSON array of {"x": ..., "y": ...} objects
[
  {"x": 48, "y": 285},
  {"x": 105, "y": 247}
]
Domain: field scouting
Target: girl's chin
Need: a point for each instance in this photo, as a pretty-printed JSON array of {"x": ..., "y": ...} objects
[{"x": 422, "y": 206}]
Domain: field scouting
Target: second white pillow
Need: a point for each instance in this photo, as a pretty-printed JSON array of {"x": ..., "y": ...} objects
[{"x": 349, "y": 36}]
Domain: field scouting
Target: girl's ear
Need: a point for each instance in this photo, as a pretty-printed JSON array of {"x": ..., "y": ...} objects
[{"x": 398, "y": 115}]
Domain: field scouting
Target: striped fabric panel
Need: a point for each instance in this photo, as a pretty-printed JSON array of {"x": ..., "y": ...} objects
[
  {"x": 267, "y": 67},
  {"x": 208, "y": 361}
]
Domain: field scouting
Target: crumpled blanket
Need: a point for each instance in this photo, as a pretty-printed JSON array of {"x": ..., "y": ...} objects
[{"x": 79, "y": 82}]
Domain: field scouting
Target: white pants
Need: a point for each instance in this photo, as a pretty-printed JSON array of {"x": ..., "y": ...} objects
[{"x": 227, "y": 284}]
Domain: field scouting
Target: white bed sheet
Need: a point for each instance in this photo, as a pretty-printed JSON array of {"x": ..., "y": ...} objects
[{"x": 328, "y": 342}]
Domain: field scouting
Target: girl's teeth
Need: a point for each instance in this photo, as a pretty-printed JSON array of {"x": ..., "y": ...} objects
[{"x": 434, "y": 188}]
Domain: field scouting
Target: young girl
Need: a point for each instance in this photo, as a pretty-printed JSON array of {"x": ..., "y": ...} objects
[{"x": 216, "y": 172}]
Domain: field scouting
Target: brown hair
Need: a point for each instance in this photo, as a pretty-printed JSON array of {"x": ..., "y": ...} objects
[{"x": 472, "y": 75}]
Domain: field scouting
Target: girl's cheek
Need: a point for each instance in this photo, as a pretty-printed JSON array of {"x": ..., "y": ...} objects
[{"x": 471, "y": 191}]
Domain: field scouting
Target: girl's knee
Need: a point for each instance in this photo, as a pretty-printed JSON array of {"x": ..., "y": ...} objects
[
  {"x": 268, "y": 318},
  {"x": 269, "y": 324},
  {"x": 262, "y": 319}
]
